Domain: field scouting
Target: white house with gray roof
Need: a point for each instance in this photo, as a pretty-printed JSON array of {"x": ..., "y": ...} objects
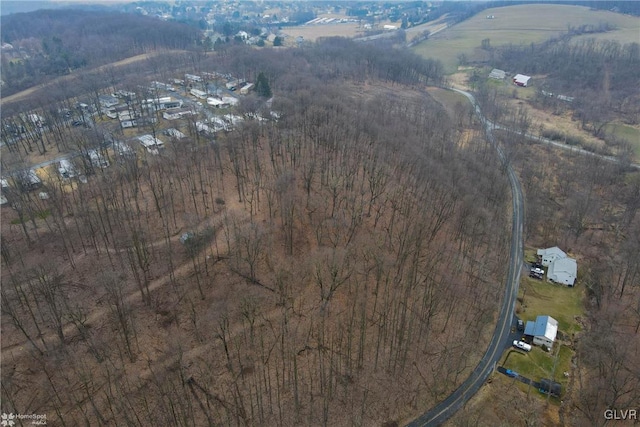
[
  {"x": 543, "y": 330},
  {"x": 550, "y": 254},
  {"x": 563, "y": 270}
]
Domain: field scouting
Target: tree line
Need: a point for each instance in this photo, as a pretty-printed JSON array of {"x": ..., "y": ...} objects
[{"x": 59, "y": 42}]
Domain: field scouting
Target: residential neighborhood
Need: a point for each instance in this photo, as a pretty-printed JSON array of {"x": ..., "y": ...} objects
[{"x": 122, "y": 112}]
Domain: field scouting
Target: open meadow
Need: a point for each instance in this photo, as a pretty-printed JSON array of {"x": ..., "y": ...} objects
[{"x": 522, "y": 24}]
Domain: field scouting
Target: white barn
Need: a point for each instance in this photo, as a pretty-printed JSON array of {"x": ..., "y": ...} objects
[{"x": 521, "y": 80}]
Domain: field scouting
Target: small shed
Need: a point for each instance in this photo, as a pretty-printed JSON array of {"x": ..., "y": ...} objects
[
  {"x": 246, "y": 88},
  {"x": 521, "y": 80},
  {"x": 550, "y": 387},
  {"x": 497, "y": 74}
]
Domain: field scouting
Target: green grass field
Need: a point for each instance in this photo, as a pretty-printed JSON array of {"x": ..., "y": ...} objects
[
  {"x": 560, "y": 302},
  {"x": 538, "y": 364},
  {"x": 448, "y": 99},
  {"x": 628, "y": 133},
  {"x": 521, "y": 24}
]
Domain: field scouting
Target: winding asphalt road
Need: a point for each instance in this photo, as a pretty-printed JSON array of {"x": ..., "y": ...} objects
[{"x": 445, "y": 409}]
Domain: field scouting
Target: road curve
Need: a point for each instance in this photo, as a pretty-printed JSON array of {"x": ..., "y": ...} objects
[{"x": 445, "y": 409}]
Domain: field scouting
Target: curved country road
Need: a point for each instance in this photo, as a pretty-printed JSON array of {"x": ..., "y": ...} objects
[{"x": 445, "y": 409}]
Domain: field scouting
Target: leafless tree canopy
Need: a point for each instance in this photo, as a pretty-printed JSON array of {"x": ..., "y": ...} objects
[{"x": 340, "y": 264}]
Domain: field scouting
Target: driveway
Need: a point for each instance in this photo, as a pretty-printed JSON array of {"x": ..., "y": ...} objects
[{"x": 519, "y": 377}]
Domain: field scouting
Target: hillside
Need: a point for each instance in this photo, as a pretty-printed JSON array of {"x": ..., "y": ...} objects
[
  {"x": 47, "y": 43},
  {"x": 298, "y": 270}
]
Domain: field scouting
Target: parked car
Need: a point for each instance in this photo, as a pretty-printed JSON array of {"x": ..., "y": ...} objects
[
  {"x": 511, "y": 373},
  {"x": 536, "y": 273},
  {"x": 522, "y": 345},
  {"x": 520, "y": 325}
]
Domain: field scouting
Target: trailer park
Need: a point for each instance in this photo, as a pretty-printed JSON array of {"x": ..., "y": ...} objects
[{"x": 126, "y": 125}]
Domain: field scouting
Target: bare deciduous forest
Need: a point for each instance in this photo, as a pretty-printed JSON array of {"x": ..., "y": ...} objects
[
  {"x": 338, "y": 263},
  {"x": 63, "y": 42}
]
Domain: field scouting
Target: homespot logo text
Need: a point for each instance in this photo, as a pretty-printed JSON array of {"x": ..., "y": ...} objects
[{"x": 8, "y": 420}]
